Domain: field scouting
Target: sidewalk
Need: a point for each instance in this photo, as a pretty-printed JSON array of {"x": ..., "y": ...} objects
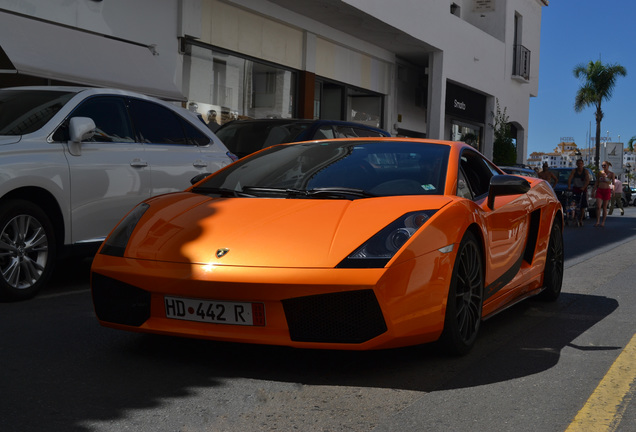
[{"x": 583, "y": 243}]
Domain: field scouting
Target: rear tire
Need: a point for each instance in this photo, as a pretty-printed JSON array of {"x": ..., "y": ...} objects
[
  {"x": 27, "y": 249},
  {"x": 465, "y": 298},
  {"x": 553, "y": 272}
]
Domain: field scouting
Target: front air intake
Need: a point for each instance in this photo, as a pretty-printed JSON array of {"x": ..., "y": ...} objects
[
  {"x": 347, "y": 317},
  {"x": 118, "y": 302}
]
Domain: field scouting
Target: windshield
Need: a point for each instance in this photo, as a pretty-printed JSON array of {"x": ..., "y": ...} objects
[
  {"x": 25, "y": 111},
  {"x": 332, "y": 169},
  {"x": 246, "y": 137}
]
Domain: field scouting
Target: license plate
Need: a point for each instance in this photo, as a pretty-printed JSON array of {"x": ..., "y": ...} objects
[{"x": 217, "y": 312}]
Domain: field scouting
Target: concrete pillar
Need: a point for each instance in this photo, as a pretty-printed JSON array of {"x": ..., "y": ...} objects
[{"x": 436, "y": 96}]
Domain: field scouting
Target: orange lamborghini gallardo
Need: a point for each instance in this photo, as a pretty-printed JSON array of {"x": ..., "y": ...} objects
[{"x": 340, "y": 244}]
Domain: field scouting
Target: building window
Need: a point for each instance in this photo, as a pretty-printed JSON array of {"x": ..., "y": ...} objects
[
  {"x": 521, "y": 54},
  {"x": 336, "y": 101},
  {"x": 216, "y": 81}
]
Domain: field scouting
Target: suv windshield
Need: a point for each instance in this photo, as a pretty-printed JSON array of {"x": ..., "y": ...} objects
[{"x": 25, "y": 111}]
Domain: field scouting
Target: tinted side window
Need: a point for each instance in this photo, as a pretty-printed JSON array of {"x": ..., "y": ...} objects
[
  {"x": 325, "y": 132},
  {"x": 366, "y": 132},
  {"x": 194, "y": 135},
  {"x": 462, "y": 186},
  {"x": 477, "y": 171},
  {"x": 157, "y": 124},
  {"x": 344, "y": 132},
  {"x": 110, "y": 116}
]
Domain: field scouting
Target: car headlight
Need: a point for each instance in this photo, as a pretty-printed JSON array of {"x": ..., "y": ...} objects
[
  {"x": 117, "y": 241},
  {"x": 379, "y": 249}
]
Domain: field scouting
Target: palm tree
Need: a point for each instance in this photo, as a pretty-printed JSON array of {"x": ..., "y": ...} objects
[
  {"x": 630, "y": 144},
  {"x": 598, "y": 84}
]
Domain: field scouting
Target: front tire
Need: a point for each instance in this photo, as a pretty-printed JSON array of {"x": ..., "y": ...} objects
[
  {"x": 27, "y": 249},
  {"x": 553, "y": 272},
  {"x": 465, "y": 298}
]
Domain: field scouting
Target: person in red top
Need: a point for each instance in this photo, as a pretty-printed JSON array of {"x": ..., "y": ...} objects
[{"x": 603, "y": 193}]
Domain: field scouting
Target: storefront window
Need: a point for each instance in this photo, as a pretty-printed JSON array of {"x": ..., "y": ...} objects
[
  {"x": 223, "y": 87},
  {"x": 365, "y": 108},
  {"x": 334, "y": 101},
  {"x": 470, "y": 134}
]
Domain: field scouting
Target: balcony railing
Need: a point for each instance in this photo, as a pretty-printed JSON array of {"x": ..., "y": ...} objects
[{"x": 521, "y": 65}]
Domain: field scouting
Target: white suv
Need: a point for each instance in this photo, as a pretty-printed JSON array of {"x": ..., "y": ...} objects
[{"x": 74, "y": 161}]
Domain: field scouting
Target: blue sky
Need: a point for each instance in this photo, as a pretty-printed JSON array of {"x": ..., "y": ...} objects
[{"x": 575, "y": 32}]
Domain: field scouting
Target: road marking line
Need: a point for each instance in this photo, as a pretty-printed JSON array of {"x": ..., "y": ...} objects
[{"x": 605, "y": 407}]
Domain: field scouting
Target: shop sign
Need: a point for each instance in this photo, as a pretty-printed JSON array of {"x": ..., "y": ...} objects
[{"x": 465, "y": 104}]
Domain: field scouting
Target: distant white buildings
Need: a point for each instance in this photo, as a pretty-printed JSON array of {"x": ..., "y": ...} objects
[{"x": 565, "y": 155}]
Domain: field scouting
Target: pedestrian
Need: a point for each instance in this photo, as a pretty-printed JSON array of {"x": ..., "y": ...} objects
[
  {"x": 617, "y": 197},
  {"x": 548, "y": 175},
  {"x": 578, "y": 181},
  {"x": 213, "y": 124},
  {"x": 603, "y": 192}
]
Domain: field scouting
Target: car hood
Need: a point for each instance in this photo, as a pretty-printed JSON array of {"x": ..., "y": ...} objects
[{"x": 264, "y": 232}]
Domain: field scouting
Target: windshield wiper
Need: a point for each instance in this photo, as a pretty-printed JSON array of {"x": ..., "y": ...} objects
[
  {"x": 224, "y": 192},
  {"x": 340, "y": 192},
  {"x": 326, "y": 192}
]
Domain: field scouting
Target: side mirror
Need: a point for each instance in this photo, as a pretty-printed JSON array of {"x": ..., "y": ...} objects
[
  {"x": 79, "y": 129},
  {"x": 197, "y": 178},
  {"x": 501, "y": 185}
]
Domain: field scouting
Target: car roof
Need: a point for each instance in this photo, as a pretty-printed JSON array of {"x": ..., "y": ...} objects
[
  {"x": 87, "y": 90},
  {"x": 304, "y": 121},
  {"x": 70, "y": 89}
]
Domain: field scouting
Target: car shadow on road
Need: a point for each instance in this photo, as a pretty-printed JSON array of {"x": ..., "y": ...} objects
[
  {"x": 522, "y": 341},
  {"x": 98, "y": 375}
]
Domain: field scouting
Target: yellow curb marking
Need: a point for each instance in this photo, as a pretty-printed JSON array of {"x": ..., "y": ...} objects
[{"x": 605, "y": 407}]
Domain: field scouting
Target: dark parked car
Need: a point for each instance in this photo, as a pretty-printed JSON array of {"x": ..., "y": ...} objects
[
  {"x": 243, "y": 137},
  {"x": 562, "y": 186},
  {"x": 515, "y": 170}
]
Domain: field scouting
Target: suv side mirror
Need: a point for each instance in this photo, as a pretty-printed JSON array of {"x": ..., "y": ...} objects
[
  {"x": 506, "y": 185},
  {"x": 80, "y": 129},
  {"x": 197, "y": 178}
]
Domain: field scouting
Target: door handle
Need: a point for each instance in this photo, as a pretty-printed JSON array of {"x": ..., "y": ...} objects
[
  {"x": 200, "y": 164},
  {"x": 138, "y": 163}
]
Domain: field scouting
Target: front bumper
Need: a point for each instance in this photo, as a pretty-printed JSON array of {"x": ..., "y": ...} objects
[{"x": 312, "y": 308}]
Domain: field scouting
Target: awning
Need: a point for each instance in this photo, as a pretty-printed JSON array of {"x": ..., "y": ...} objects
[{"x": 52, "y": 51}]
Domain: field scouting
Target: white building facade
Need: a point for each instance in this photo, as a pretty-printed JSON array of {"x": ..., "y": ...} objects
[{"x": 431, "y": 69}]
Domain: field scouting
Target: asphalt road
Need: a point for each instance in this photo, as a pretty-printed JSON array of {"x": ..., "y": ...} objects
[{"x": 536, "y": 366}]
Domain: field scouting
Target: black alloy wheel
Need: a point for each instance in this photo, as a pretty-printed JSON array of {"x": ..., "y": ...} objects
[
  {"x": 553, "y": 272},
  {"x": 465, "y": 298}
]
